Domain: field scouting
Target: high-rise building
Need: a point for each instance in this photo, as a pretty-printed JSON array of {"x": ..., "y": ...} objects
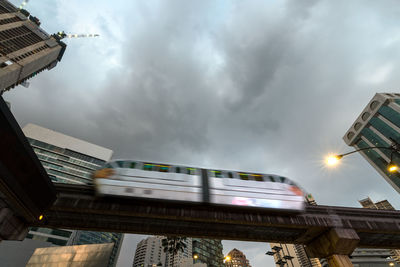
[
  {"x": 25, "y": 48},
  {"x": 236, "y": 259},
  {"x": 366, "y": 257},
  {"x": 149, "y": 252},
  {"x": 378, "y": 126},
  {"x": 181, "y": 257},
  {"x": 293, "y": 255},
  {"x": 208, "y": 251},
  {"x": 69, "y": 160}
]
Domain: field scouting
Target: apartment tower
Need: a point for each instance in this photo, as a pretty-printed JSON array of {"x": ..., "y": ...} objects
[
  {"x": 378, "y": 126},
  {"x": 149, "y": 252}
]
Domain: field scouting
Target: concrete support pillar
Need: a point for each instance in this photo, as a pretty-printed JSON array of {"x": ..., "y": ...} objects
[
  {"x": 336, "y": 246},
  {"x": 11, "y": 227}
]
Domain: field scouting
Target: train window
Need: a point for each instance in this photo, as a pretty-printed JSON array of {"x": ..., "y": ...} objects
[
  {"x": 132, "y": 165},
  {"x": 120, "y": 163},
  {"x": 271, "y": 178},
  {"x": 108, "y": 165},
  {"x": 148, "y": 167},
  {"x": 244, "y": 176},
  {"x": 230, "y": 175},
  {"x": 190, "y": 171},
  {"x": 284, "y": 180},
  {"x": 217, "y": 174},
  {"x": 163, "y": 168},
  {"x": 257, "y": 177},
  {"x": 178, "y": 169}
]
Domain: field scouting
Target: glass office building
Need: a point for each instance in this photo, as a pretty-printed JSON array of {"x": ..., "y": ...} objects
[
  {"x": 208, "y": 251},
  {"x": 69, "y": 160},
  {"x": 378, "y": 126}
]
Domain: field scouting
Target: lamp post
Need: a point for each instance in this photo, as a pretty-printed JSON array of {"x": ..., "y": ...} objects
[{"x": 391, "y": 167}]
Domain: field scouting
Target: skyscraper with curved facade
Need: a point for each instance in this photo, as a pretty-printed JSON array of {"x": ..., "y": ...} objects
[{"x": 378, "y": 125}]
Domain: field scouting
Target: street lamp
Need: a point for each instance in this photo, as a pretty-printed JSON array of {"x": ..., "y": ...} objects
[{"x": 332, "y": 160}]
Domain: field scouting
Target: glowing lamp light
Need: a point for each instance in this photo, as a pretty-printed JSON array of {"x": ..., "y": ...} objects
[
  {"x": 40, "y": 217},
  {"x": 332, "y": 160},
  {"x": 228, "y": 258},
  {"x": 195, "y": 256},
  {"x": 391, "y": 264},
  {"x": 392, "y": 167}
]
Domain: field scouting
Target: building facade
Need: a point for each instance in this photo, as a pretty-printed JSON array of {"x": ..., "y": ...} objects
[
  {"x": 378, "y": 126},
  {"x": 83, "y": 255},
  {"x": 181, "y": 257},
  {"x": 69, "y": 160},
  {"x": 236, "y": 258},
  {"x": 25, "y": 48},
  {"x": 149, "y": 252},
  {"x": 371, "y": 257},
  {"x": 208, "y": 251}
]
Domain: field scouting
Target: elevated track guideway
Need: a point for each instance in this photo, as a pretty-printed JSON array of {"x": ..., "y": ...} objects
[{"x": 77, "y": 207}]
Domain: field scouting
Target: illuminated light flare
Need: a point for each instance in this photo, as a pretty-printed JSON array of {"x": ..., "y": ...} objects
[
  {"x": 228, "y": 258},
  {"x": 333, "y": 160},
  {"x": 40, "y": 217},
  {"x": 392, "y": 167}
]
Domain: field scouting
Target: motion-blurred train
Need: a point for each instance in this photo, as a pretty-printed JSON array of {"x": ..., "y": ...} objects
[{"x": 187, "y": 184}]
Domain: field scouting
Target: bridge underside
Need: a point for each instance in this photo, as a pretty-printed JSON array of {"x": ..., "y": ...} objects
[{"x": 77, "y": 208}]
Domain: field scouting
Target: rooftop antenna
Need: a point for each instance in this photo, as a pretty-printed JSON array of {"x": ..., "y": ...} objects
[{"x": 63, "y": 35}]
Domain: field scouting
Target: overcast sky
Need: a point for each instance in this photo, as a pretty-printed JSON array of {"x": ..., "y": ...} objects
[{"x": 263, "y": 86}]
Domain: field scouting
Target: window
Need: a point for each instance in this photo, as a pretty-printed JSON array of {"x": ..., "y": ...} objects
[
  {"x": 257, "y": 177},
  {"x": 244, "y": 176},
  {"x": 163, "y": 168},
  {"x": 178, "y": 169},
  {"x": 230, "y": 175},
  {"x": 191, "y": 171},
  {"x": 148, "y": 167},
  {"x": 217, "y": 174}
]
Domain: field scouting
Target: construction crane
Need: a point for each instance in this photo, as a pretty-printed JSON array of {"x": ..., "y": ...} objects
[
  {"x": 63, "y": 35},
  {"x": 23, "y": 4}
]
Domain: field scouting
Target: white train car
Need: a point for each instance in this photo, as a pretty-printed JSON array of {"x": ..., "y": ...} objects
[{"x": 181, "y": 183}]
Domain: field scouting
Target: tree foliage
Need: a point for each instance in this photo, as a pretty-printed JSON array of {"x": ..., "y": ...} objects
[{"x": 173, "y": 244}]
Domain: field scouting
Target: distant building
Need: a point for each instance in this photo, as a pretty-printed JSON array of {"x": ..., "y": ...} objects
[
  {"x": 83, "y": 255},
  {"x": 149, "y": 252},
  {"x": 208, "y": 251},
  {"x": 25, "y": 49},
  {"x": 378, "y": 126},
  {"x": 366, "y": 257},
  {"x": 293, "y": 255},
  {"x": 237, "y": 259},
  {"x": 181, "y": 257},
  {"x": 69, "y": 160}
]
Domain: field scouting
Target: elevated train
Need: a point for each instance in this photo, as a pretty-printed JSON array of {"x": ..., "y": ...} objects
[{"x": 138, "y": 179}]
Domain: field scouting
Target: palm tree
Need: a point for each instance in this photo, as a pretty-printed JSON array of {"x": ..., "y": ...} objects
[{"x": 173, "y": 244}]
